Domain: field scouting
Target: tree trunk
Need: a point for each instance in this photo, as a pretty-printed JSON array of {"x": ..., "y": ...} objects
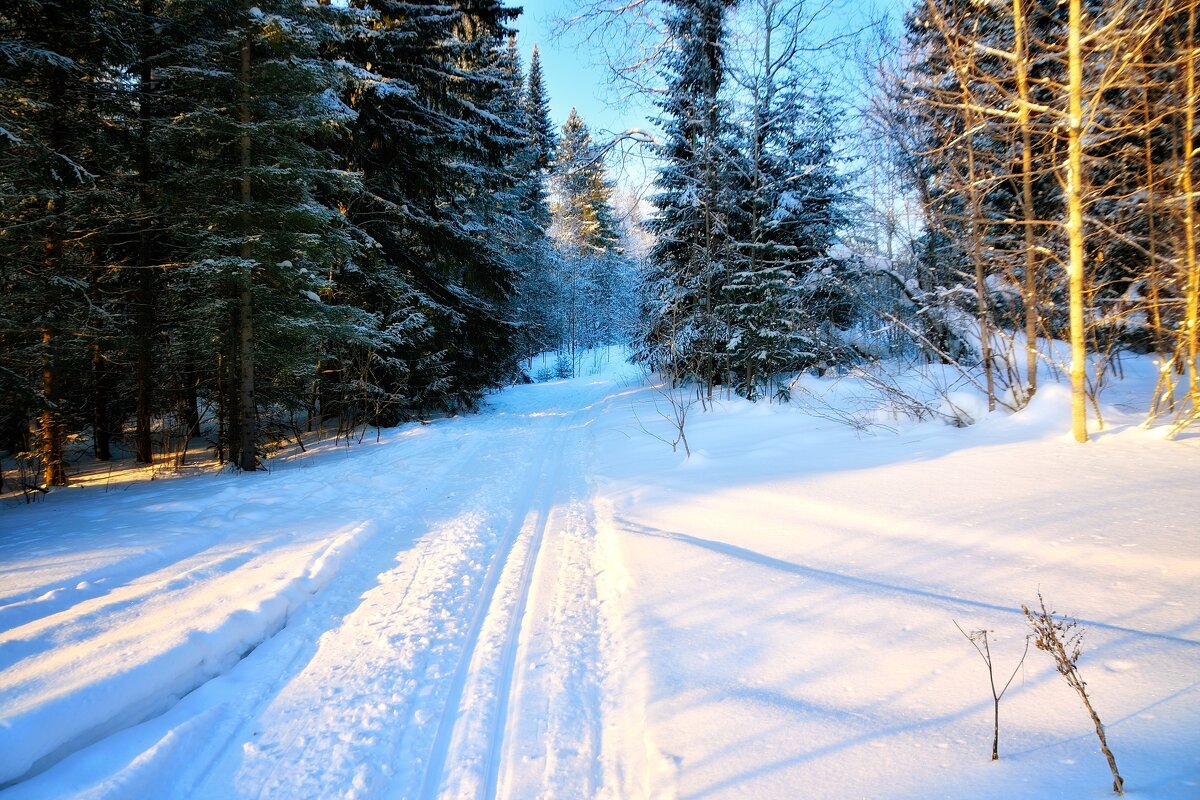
[
  {"x": 51, "y": 424},
  {"x": 1021, "y": 51},
  {"x": 101, "y": 433},
  {"x": 1192, "y": 269},
  {"x": 224, "y": 417},
  {"x": 51, "y": 449},
  {"x": 1075, "y": 219},
  {"x": 191, "y": 399},
  {"x": 981, "y": 289},
  {"x": 145, "y": 322},
  {"x": 964, "y": 69},
  {"x": 246, "y": 409},
  {"x": 144, "y": 378}
]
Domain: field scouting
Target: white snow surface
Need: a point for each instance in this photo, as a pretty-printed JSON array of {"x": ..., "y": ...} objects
[{"x": 544, "y": 600}]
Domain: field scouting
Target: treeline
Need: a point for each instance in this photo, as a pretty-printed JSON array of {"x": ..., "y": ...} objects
[
  {"x": 1047, "y": 151},
  {"x": 211, "y": 210},
  {"x": 1050, "y": 148}
]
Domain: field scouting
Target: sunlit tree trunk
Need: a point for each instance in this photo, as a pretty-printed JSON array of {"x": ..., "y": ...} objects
[
  {"x": 51, "y": 422},
  {"x": 1075, "y": 218},
  {"x": 1021, "y": 64},
  {"x": 1189, "y": 222},
  {"x": 51, "y": 427},
  {"x": 981, "y": 289}
]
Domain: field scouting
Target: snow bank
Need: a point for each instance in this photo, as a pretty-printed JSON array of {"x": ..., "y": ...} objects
[
  {"x": 76, "y": 675},
  {"x": 792, "y": 592}
]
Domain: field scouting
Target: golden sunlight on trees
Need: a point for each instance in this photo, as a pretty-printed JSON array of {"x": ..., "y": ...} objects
[{"x": 1060, "y": 151}]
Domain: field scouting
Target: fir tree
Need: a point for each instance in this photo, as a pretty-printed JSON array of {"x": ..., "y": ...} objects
[
  {"x": 537, "y": 110},
  {"x": 433, "y": 146},
  {"x": 527, "y": 109},
  {"x": 58, "y": 68},
  {"x": 685, "y": 336},
  {"x": 246, "y": 156}
]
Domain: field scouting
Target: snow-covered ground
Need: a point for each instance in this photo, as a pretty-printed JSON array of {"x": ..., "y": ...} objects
[{"x": 545, "y": 601}]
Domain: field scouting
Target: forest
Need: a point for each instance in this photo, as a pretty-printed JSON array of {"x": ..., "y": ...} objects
[
  {"x": 599, "y": 399},
  {"x": 235, "y": 222}
]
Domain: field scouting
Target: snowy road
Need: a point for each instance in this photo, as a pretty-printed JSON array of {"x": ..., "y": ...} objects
[{"x": 544, "y": 601}]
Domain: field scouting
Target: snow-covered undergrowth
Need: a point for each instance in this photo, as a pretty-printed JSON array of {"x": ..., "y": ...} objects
[{"x": 543, "y": 600}]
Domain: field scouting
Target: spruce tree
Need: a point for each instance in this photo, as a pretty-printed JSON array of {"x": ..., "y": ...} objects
[
  {"x": 535, "y": 290},
  {"x": 685, "y": 336},
  {"x": 433, "y": 153},
  {"x": 543, "y": 137},
  {"x": 59, "y": 69},
  {"x": 245, "y": 156}
]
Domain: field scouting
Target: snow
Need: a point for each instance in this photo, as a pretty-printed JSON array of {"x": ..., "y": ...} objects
[{"x": 544, "y": 600}]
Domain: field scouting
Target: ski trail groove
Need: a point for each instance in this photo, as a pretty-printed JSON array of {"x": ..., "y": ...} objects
[
  {"x": 508, "y": 659},
  {"x": 435, "y": 767}
]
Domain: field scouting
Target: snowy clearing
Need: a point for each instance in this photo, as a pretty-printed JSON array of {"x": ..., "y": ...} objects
[{"x": 545, "y": 601}]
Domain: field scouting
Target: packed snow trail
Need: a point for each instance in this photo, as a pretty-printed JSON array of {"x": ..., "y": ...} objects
[
  {"x": 544, "y": 601},
  {"x": 393, "y": 683}
]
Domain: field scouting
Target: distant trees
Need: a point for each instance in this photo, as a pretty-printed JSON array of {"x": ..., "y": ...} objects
[
  {"x": 593, "y": 270},
  {"x": 579, "y": 283}
]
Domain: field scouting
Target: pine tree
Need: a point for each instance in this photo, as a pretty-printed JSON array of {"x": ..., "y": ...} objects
[
  {"x": 685, "y": 337},
  {"x": 58, "y": 69}
]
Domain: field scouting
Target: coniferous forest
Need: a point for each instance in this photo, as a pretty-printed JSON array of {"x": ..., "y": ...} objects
[
  {"x": 247, "y": 215},
  {"x": 601, "y": 399}
]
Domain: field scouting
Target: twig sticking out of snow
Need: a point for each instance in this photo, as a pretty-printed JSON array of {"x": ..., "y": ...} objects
[
  {"x": 1059, "y": 638},
  {"x": 979, "y": 640}
]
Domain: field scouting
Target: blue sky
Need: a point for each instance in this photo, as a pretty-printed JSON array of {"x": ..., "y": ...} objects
[{"x": 575, "y": 75}]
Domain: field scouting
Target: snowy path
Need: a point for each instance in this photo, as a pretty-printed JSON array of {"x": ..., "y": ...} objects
[
  {"x": 410, "y": 682},
  {"x": 542, "y": 601}
]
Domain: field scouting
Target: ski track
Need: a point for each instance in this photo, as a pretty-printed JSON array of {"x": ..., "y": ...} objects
[
  {"x": 459, "y": 654},
  {"x": 520, "y": 729},
  {"x": 471, "y": 719},
  {"x": 384, "y": 668},
  {"x": 425, "y": 698},
  {"x": 468, "y": 612}
]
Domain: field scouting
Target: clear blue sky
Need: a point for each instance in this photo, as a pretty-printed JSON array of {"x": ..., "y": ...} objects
[{"x": 575, "y": 76}]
